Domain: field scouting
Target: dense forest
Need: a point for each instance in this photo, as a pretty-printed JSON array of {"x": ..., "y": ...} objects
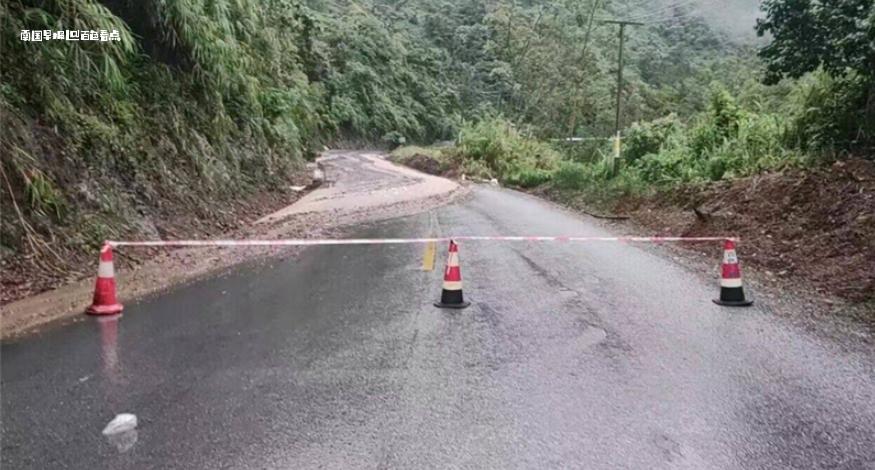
[{"x": 208, "y": 100}]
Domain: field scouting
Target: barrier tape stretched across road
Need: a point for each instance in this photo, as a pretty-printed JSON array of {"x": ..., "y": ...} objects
[
  {"x": 396, "y": 241},
  {"x": 106, "y": 303}
]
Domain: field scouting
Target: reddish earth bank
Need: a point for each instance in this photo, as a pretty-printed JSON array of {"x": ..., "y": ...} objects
[{"x": 815, "y": 227}]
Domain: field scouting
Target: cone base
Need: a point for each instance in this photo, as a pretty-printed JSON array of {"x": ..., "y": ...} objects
[
  {"x": 734, "y": 303},
  {"x": 104, "y": 309},
  {"x": 456, "y": 306}
]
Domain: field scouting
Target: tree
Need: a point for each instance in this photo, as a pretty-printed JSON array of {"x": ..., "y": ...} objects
[{"x": 807, "y": 34}]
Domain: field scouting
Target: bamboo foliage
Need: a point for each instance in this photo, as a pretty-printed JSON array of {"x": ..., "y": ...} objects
[{"x": 213, "y": 98}]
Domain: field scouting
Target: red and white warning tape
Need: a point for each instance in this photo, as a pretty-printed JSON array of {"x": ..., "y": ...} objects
[{"x": 396, "y": 241}]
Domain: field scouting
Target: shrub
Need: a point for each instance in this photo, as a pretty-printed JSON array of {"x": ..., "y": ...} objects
[
  {"x": 472, "y": 168},
  {"x": 725, "y": 142},
  {"x": 672, "y": 165},
  {"x": 496, "y": 147},
  {"x": 573, "y": 176},
  {"x": 528, "y": 177},
  {"x": 648, "y": 137},
  {"x": 719, "y": 123},
  {"x": 829, "y": 114},
  {"x": 394, "y": 139},
  {"x": 407, "y": 151}
]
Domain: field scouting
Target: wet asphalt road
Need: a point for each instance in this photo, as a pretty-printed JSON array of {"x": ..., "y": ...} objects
[{"x": 571, "y": 356}]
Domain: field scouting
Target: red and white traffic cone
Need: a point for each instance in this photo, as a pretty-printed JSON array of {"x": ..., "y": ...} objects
[
  {"x": 451, "y": 295},
  {"x": 105, "y": 302},
  {"x": 731, "y": 292}
]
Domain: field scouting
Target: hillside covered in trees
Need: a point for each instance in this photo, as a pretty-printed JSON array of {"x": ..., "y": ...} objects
[{"x": 205, "y": 102}]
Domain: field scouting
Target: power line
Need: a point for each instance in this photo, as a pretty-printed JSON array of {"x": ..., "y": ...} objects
[
  {"x": 684, "y": 16},
  {"x": 688, "y": 16},
  {"x": 667, "y": 10},
  {"x": 662, "y": 10}
]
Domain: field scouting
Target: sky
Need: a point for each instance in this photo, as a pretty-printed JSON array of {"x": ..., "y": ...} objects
[{"x": 736, "y": 18}]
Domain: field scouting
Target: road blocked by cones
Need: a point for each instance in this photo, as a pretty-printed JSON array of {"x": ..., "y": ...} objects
[
  {"x": 105, "y": 301},
  {"x": 731, "y": 290},
  {"x": 451, "y": 293}
]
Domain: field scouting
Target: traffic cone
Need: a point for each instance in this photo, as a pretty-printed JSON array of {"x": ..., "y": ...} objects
[
  {"x": 105, "y": 302},
  {"x": 451, "y": 295},
  {"x": 731, "y": 292}
]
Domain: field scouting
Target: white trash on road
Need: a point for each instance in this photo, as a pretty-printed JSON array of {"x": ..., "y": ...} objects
[{"x": 121, "y": 423}]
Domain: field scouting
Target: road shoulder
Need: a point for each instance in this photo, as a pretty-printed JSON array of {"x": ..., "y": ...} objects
[{"x": 402, "y": 192}]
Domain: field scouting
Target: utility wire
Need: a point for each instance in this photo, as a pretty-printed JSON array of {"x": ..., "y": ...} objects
[
  {"x": 688, "y": 16},
  {"x": 681, "y": 16},
  {"x": 667, "y": 10},
  {"x": 663, "y": 10},
  {"x": 645, "y": 20}
]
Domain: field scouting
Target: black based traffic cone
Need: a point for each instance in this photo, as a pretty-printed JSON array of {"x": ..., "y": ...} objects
[
  {"x": 731, "y": 291},
  {"x": 451, "y": 295}
]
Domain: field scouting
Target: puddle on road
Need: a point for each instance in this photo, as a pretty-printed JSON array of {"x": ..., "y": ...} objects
[
  {"x": 109, "y": 353},
  {"x": 121, "y": 432}
]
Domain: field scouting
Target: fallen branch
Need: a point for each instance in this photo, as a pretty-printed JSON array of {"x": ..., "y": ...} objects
[{"x": 607, "y": 217}]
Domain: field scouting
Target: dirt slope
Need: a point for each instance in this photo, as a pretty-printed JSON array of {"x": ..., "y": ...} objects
[{"x": 815, "y": 227}]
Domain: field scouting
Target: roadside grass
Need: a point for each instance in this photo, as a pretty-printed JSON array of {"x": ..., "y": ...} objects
[
  {"x": 403, "y": 153},
  {"x": 490, "y": 148},
  {"x": 724, "y": 142}
]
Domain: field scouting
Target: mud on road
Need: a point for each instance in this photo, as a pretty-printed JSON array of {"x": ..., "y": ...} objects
[{"x": 359, "y": 187}]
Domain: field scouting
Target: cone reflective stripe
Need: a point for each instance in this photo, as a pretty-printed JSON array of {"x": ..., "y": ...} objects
[
  {"x": 451, "y": 294},
  {"x": 105, "y": 302},
  {"x": 731, "y": 290}
]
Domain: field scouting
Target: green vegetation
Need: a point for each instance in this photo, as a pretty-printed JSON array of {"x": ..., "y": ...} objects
[
  {"x": 487, "y": 149},
  {"x": 402, "y": 154},
  {"x": 724, "y": 141},
  {"x": 493, "y": 147},
  {"x": 205, "y": 101},
  {"x": 812, "y": 105},
  {"x": 198, "y": 102}
]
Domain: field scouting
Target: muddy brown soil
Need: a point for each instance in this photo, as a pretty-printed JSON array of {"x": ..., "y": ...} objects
[
  {"x": 425, "y": 164},
  {"x": 23, "y": 276},
  {"x": 809, "y": 229}
]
